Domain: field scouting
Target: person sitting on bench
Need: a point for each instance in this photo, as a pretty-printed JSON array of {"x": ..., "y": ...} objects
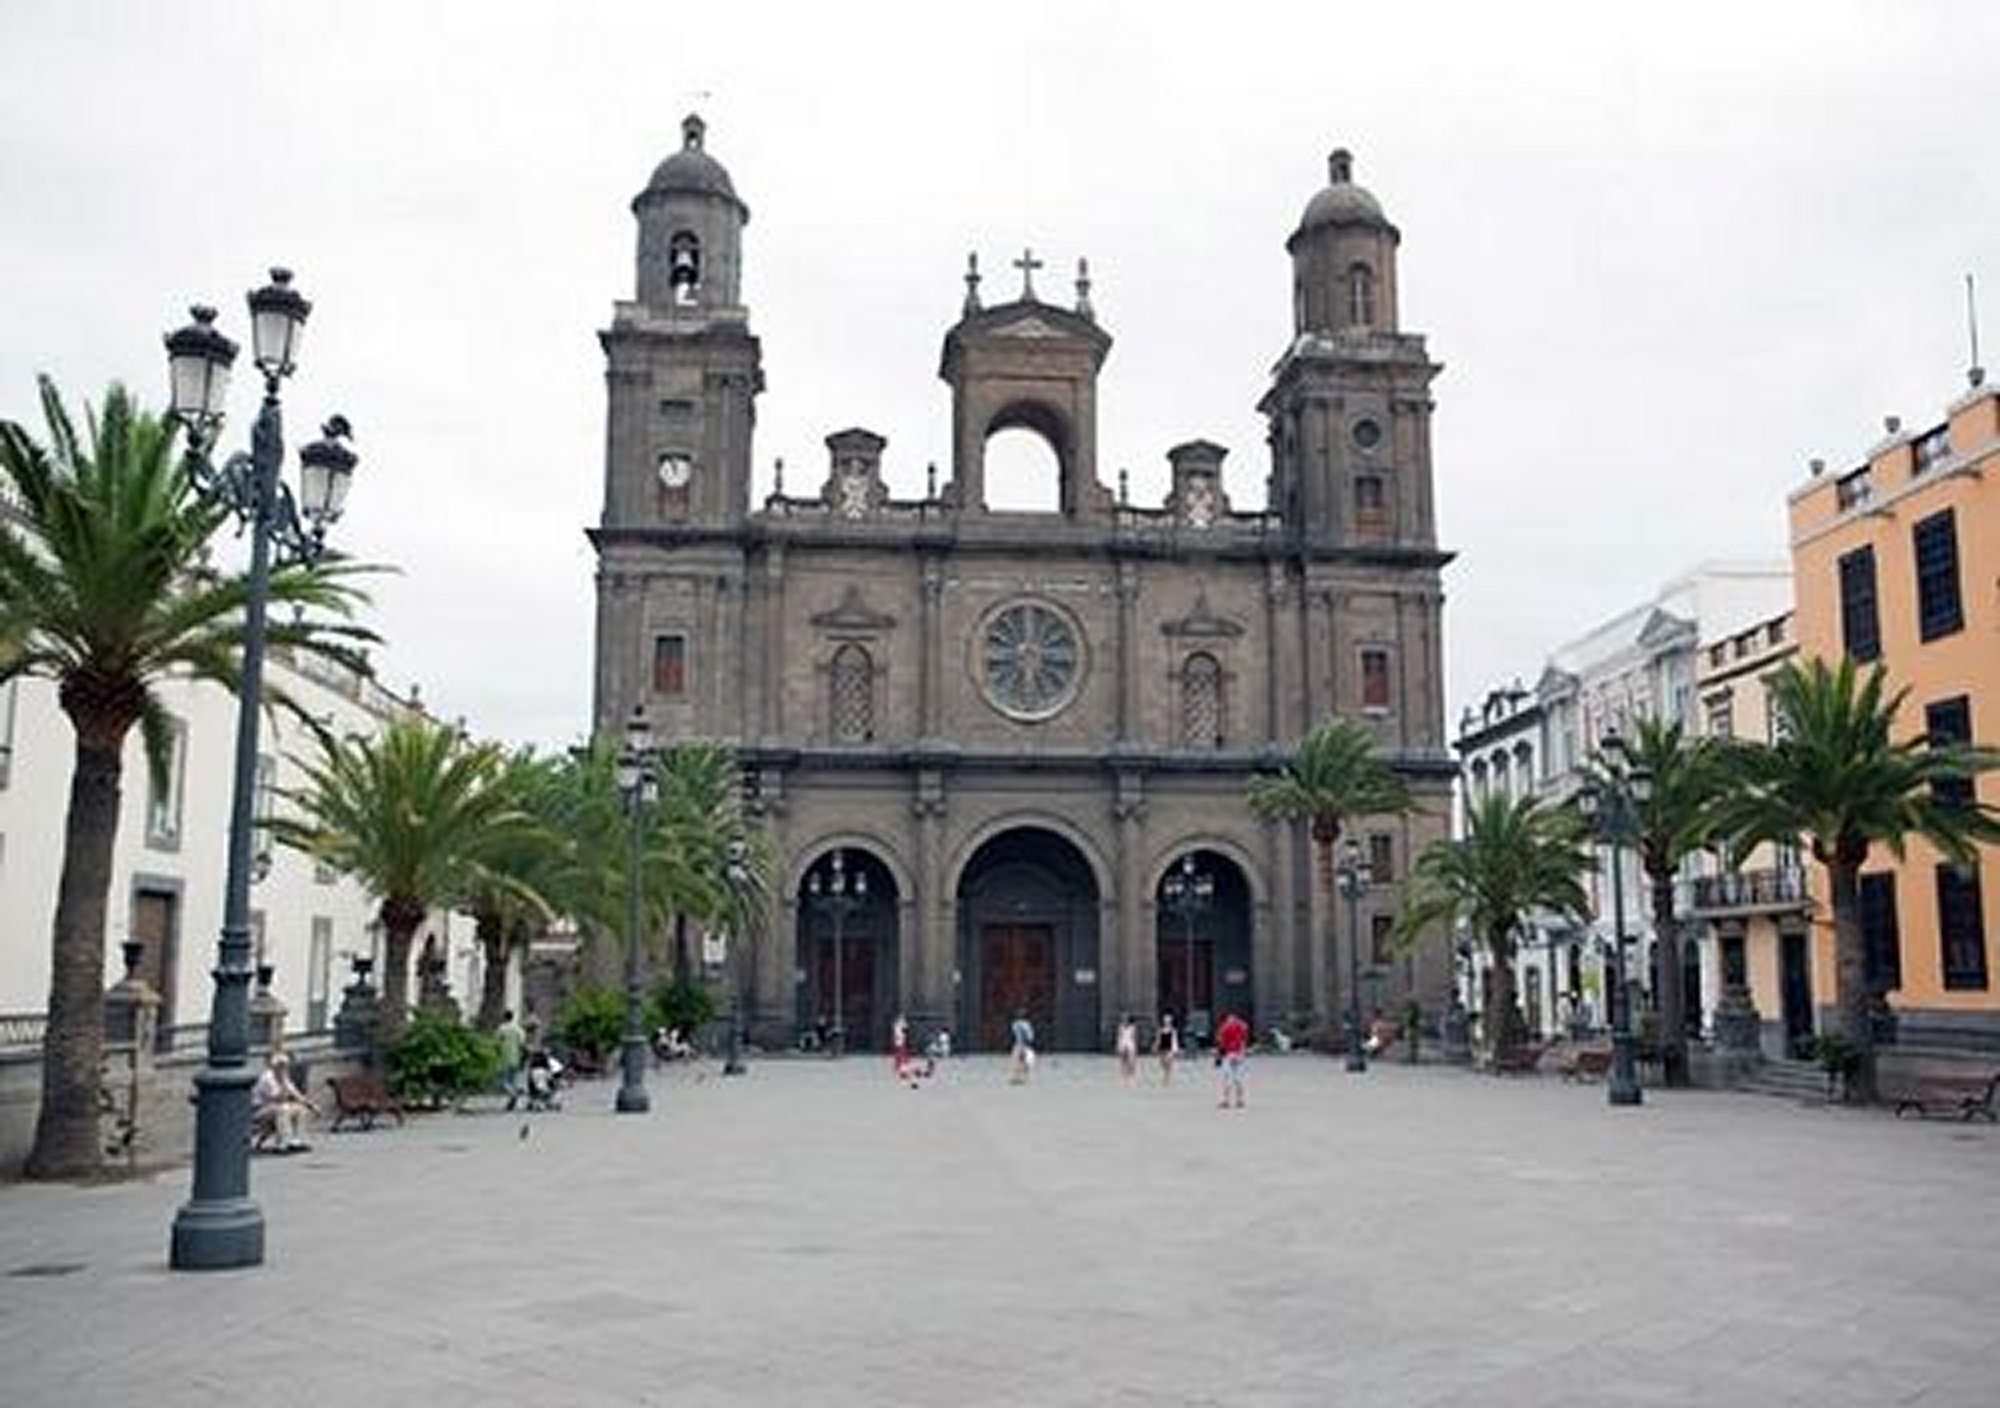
[{"x": 277, "y": 1106}]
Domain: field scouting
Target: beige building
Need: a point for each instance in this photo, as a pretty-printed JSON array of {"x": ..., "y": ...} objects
[{"x": 1017, "y": 726}]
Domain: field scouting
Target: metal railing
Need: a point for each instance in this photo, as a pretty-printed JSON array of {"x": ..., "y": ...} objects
[
  {"x": 22, "y": 1029},
  {"x": 1781, "y": 887}
]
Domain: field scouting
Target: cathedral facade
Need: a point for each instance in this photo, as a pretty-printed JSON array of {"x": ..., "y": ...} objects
[{"x": 1003, "y": 755}]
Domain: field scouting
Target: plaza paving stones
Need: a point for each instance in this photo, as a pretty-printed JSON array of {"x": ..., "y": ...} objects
[{"x": 816, "y": 1234}]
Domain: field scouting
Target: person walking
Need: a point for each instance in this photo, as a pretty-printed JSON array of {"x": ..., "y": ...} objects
[
  {"x": 899, "y": 1046},
  {"x": 1232, "y": 1049},
  {"x": 1023, "y": 1033},
  {"x": 1127, "y": 1046},
  {"x": 513, "y": 1040},
  {"x": 1166, "y": 1047}
]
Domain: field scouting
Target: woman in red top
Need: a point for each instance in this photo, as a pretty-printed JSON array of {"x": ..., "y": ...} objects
[{"x": 1232, "y": 1045}]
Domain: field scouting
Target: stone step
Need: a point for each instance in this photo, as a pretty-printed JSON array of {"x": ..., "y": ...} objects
[{"x": 1795, "y": 1080}]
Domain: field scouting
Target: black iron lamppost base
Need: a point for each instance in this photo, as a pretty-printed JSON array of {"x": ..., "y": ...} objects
[
  {"x": 1623, "y": 1087},
  {"x": 218, "y": 1236},
  {"x": 1357, "y": 1061},
  {"x": 632, "y": 1097},
  {"x": 633, "y": 1101}
]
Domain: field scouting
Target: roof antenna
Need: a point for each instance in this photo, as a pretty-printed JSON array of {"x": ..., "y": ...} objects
[{"x": 1975, "y": 373}]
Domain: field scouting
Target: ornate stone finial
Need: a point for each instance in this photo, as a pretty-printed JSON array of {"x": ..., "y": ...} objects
[
  {"x": 1340, "y": 167},
  {"x": 692, "y": 130},
  {"x": 972, "y": 283},
  {"x": 1124, "y": 487},
  {"x": 778, "y": 476},
  {"x": 1976, "y": 376},
  {"x": 1892, "y": 424},
  {"x": 1816, "y": 466},
  {"x": 1083, "y": 308},
  {"x": 1027, "y": 264},
  {"x": 930, "y": 481}
]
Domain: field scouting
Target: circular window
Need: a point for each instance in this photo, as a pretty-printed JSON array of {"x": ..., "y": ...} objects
[
  {"x": 1030, "y": 660},
  {"x": 1366, "y": 433}
]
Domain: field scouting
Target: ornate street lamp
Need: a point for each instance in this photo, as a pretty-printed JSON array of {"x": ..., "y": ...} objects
[
  {"x": 1355, "y": 877},
  {"x": 1610, "y": 801},
  {"x": 1187, "y": 894},
  {"x": 639, "y": 785},
  {"x": 736, "y": 872},
  {"x": 837, "y": 894},
  {"x": 221, "y": 1225}
]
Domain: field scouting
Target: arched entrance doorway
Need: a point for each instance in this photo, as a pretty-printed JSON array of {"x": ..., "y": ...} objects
[
  {"x": 1203, "y": 904},
  {"x": 850, "y": 986},
  {"x": 1027, "y": 941}
]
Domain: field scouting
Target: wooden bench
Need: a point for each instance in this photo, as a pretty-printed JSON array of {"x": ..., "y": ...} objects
[
  {"x": 1961, "y": 1097},
  {"x": 1587, "y": 1063},
  {"x": 363, "y": 1098},
  {"x": 1522, "y": 1060}
]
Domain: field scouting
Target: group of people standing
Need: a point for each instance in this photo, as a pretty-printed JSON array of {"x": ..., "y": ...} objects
[{"x": 1232, "y": 1048}]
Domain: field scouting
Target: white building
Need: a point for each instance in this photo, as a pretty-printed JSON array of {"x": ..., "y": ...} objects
[
  {"x": 167, "y": 871},
  {"x": 1643, "y": 663}
]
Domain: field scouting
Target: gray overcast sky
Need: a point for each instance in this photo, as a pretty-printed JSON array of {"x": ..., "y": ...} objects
[{"x": 1664, "y": 261}]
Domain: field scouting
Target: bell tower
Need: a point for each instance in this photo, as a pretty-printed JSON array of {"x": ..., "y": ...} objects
[
  {"x": 1349, "y": 406},
  {"x": 682, "y": 373}
]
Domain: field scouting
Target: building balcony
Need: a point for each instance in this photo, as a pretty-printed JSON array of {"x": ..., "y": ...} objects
[{"x": 1741, "y": 892}]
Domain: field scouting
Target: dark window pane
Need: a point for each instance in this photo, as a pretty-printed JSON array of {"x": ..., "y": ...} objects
[
  {"x": 1860, "y": 630},
  {"x": 1382, "y": 857},
  {"x": 1880, "y": 933},
  {"x": 1939, "y": 610},
  {"x": 1961, "y": 932},
  {"x": 1374, "y": 679},
  {"x": 1950, "y": 721},
  {"x": 670, "y": 665}
]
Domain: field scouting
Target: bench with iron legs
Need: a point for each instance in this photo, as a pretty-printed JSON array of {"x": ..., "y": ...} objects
[
  {"x": 1960, "y": 1097},
  {"x": 1522, "y": 1060},
  {"x": 363, "y": 1098},
  {"x": 1587, "y": 1063}
]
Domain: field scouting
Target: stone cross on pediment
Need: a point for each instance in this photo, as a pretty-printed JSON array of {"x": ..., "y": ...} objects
[{"x": 1027, "y": 264}]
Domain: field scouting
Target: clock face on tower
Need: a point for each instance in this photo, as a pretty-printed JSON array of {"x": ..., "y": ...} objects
[
  {"x": 1030, "y": 660},
  {"x": 676, "y": 469}
]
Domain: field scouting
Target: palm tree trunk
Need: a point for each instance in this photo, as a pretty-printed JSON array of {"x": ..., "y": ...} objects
[
  {"x": 400, "y": 918},
  {"x": 67, "y": 1140},
  {"x": 1323, "y": 853},
  {"x": 492, "y": 936},
  {"x": 1850, "y": 964},
  {"x": 1673, "y": 1000},
  {"x": 1505, "y": 1028}
]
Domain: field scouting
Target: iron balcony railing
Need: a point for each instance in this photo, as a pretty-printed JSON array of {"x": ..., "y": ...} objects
[{"x": 1748, "y": 891}]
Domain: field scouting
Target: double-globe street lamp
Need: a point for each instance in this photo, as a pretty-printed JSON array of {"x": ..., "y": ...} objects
[
  {"x": 837, "y": 893},
  {"x": 221, "y": 1225},
  {"x": 1356, "y": 875},
  {"x": 1611, "y": 800},
  {"x": 639, "y": 785},
  {"x": 1187, "y": 893}
]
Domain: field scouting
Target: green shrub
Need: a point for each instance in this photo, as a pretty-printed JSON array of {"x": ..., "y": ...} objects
[
  {"x": 685, "y": 1005},
  {"x": 435, "y": 1059},
  {"x": 592, "y": 1022}
]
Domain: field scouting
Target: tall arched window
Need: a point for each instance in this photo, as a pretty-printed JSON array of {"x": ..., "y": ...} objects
[
  {"x": 852, "y": 695},
  {"x": 1201, "y": 701},
  {"x": 1360, "y": 296},
  {"x": 684, "y": 265}
]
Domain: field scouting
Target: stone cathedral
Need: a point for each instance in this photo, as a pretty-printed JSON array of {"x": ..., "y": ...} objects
[{"x": 1025, "y": 737}]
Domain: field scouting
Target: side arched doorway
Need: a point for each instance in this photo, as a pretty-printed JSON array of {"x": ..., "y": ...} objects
[
  {"x": 846, "y": 949},
  {"x": 1028, "y": 941},
  {"x": 1202, "y": 902}
]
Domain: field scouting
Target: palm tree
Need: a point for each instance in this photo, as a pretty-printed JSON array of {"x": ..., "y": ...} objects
[
  {"x": 420, "y": 816},
  {"x": 699, "y": 815},
  {"x": 103, "y": 590},
  {"x": 1518, "y": 855},
  {"x": 1335, "y": 775},
  {"x": 1676, "y": 818},
  {"x": 526, "y": 878},
  {"x": 1836, "y": 776}
]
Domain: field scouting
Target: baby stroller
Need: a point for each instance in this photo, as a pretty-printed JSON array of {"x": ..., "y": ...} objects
[{"x": 543, "y": 1069}]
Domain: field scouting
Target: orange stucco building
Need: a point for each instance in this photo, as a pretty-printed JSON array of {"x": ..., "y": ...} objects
[{"x": 1899, "y": 561}]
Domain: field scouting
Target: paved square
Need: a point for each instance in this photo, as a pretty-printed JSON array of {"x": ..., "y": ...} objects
[{"x": 816, "y": 1234}]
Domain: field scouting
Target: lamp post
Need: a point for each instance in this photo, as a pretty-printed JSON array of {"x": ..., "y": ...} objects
[
  {"x": 1355, "y": 876},
  {"x": 639, "y": 785},
  {"x": 736, "y": 870},
  {"x": 1187, "y": 894},
  {"x": 837, "y": 894},
  {"x": 221, "y": 1226},
  {"x": 1610, "y": 800}
]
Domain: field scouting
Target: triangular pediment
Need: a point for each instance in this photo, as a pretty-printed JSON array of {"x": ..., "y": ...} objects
[
  {"x": 1663, "y": 628},
  {"x": 1029, "y": 326},
  {"x": 1554, "y": 684},
  {"x": 853, "y": 613}
]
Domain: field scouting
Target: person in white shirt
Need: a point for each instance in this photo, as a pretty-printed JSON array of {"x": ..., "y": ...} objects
[{"x": 277, "y": 1106}]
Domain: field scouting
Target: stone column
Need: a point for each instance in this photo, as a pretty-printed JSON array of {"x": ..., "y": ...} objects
[
  {"x": 929, "y": 979},
  {"x": 1133, "y": 983},
  {"x": 1737, "y": 1025},
  {"x": 930, "y": 657},
  {"x": 1128, "y": 656}
]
